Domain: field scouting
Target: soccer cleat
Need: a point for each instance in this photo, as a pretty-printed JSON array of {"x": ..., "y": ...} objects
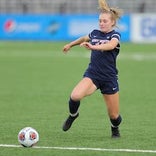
[
  {"x": 67, "y": 124},
  {"x": 115, "y": 132}
]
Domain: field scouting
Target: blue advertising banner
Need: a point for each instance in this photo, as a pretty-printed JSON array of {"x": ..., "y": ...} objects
[
  {"x": 32, "y": 27},
  {"x": 53, "y": 27},
  {"x": 124, "y": 27},
  {"x": 83, "y": 25}
]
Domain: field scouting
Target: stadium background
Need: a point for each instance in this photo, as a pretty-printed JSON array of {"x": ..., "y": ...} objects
[
  {"x": 36, "y": 78},
  {"x": 60, "y": 20}
]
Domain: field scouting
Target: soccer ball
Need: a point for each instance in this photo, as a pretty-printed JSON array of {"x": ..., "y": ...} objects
[{"x": 28, "y": 137}]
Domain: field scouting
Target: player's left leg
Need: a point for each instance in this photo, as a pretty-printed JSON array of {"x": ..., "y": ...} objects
[{"x": 112, "y": 103}]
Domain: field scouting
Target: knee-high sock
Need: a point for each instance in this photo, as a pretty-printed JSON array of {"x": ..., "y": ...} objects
[
  {"x": 116, "y": 122},
  {"x": 73, "y": 107}
]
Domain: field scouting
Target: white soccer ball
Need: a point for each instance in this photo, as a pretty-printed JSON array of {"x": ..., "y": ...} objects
[{"x": 28, "y": 137}]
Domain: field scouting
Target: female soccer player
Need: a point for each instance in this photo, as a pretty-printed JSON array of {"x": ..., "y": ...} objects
[{"x": 102, "y": 72}]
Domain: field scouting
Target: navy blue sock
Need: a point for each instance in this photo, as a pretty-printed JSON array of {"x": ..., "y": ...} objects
[
  {"x": 116, "y": 122},
  {"x": 73, "y": 106}
]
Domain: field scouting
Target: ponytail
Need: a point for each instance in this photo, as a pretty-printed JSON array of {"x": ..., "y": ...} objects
[{"x": 115, "y": 12}]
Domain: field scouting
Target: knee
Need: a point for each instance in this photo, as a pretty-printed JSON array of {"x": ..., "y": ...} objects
[{"x": 76, "y": 96}]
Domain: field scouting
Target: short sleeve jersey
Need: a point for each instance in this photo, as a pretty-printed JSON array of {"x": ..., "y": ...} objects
[{"x": 102, "y": 64}]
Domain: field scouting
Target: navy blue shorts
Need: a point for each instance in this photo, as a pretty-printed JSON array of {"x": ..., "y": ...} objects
[{"x": 106, "y": 87}]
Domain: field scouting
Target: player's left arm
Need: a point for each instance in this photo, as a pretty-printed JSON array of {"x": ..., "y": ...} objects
[{"x": 110, "y": 45}]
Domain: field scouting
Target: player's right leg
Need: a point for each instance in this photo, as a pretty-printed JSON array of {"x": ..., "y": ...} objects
[{"x": 84, "y": 88}]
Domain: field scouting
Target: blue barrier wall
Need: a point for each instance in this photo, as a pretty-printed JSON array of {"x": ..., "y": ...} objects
[{"x": 54, "y": 27}]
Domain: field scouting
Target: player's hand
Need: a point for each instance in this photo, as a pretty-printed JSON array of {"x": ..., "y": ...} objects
[
  {"x": 66, "y": 48},
  {"x": 87, "y": 45}
]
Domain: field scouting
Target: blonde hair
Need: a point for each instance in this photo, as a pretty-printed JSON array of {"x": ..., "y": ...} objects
[{"x": 115, "y": 12}]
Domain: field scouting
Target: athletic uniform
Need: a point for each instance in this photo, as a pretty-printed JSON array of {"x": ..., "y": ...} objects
[
  {"x": 102, "y": 67},
  {"x": 103, "y": 72}
]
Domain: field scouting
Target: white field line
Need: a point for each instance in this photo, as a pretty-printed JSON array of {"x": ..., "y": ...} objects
[
  {"x": 122, "y": 56},
  {"x": 138, "y": 56},
  {"x": 83, "y": 149}
]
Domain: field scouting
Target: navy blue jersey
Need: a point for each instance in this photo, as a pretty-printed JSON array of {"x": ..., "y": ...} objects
[{"x": 102, "y": 65}]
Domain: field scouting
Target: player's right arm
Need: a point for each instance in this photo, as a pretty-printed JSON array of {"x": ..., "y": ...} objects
[{"x": 78, "y": 41}]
